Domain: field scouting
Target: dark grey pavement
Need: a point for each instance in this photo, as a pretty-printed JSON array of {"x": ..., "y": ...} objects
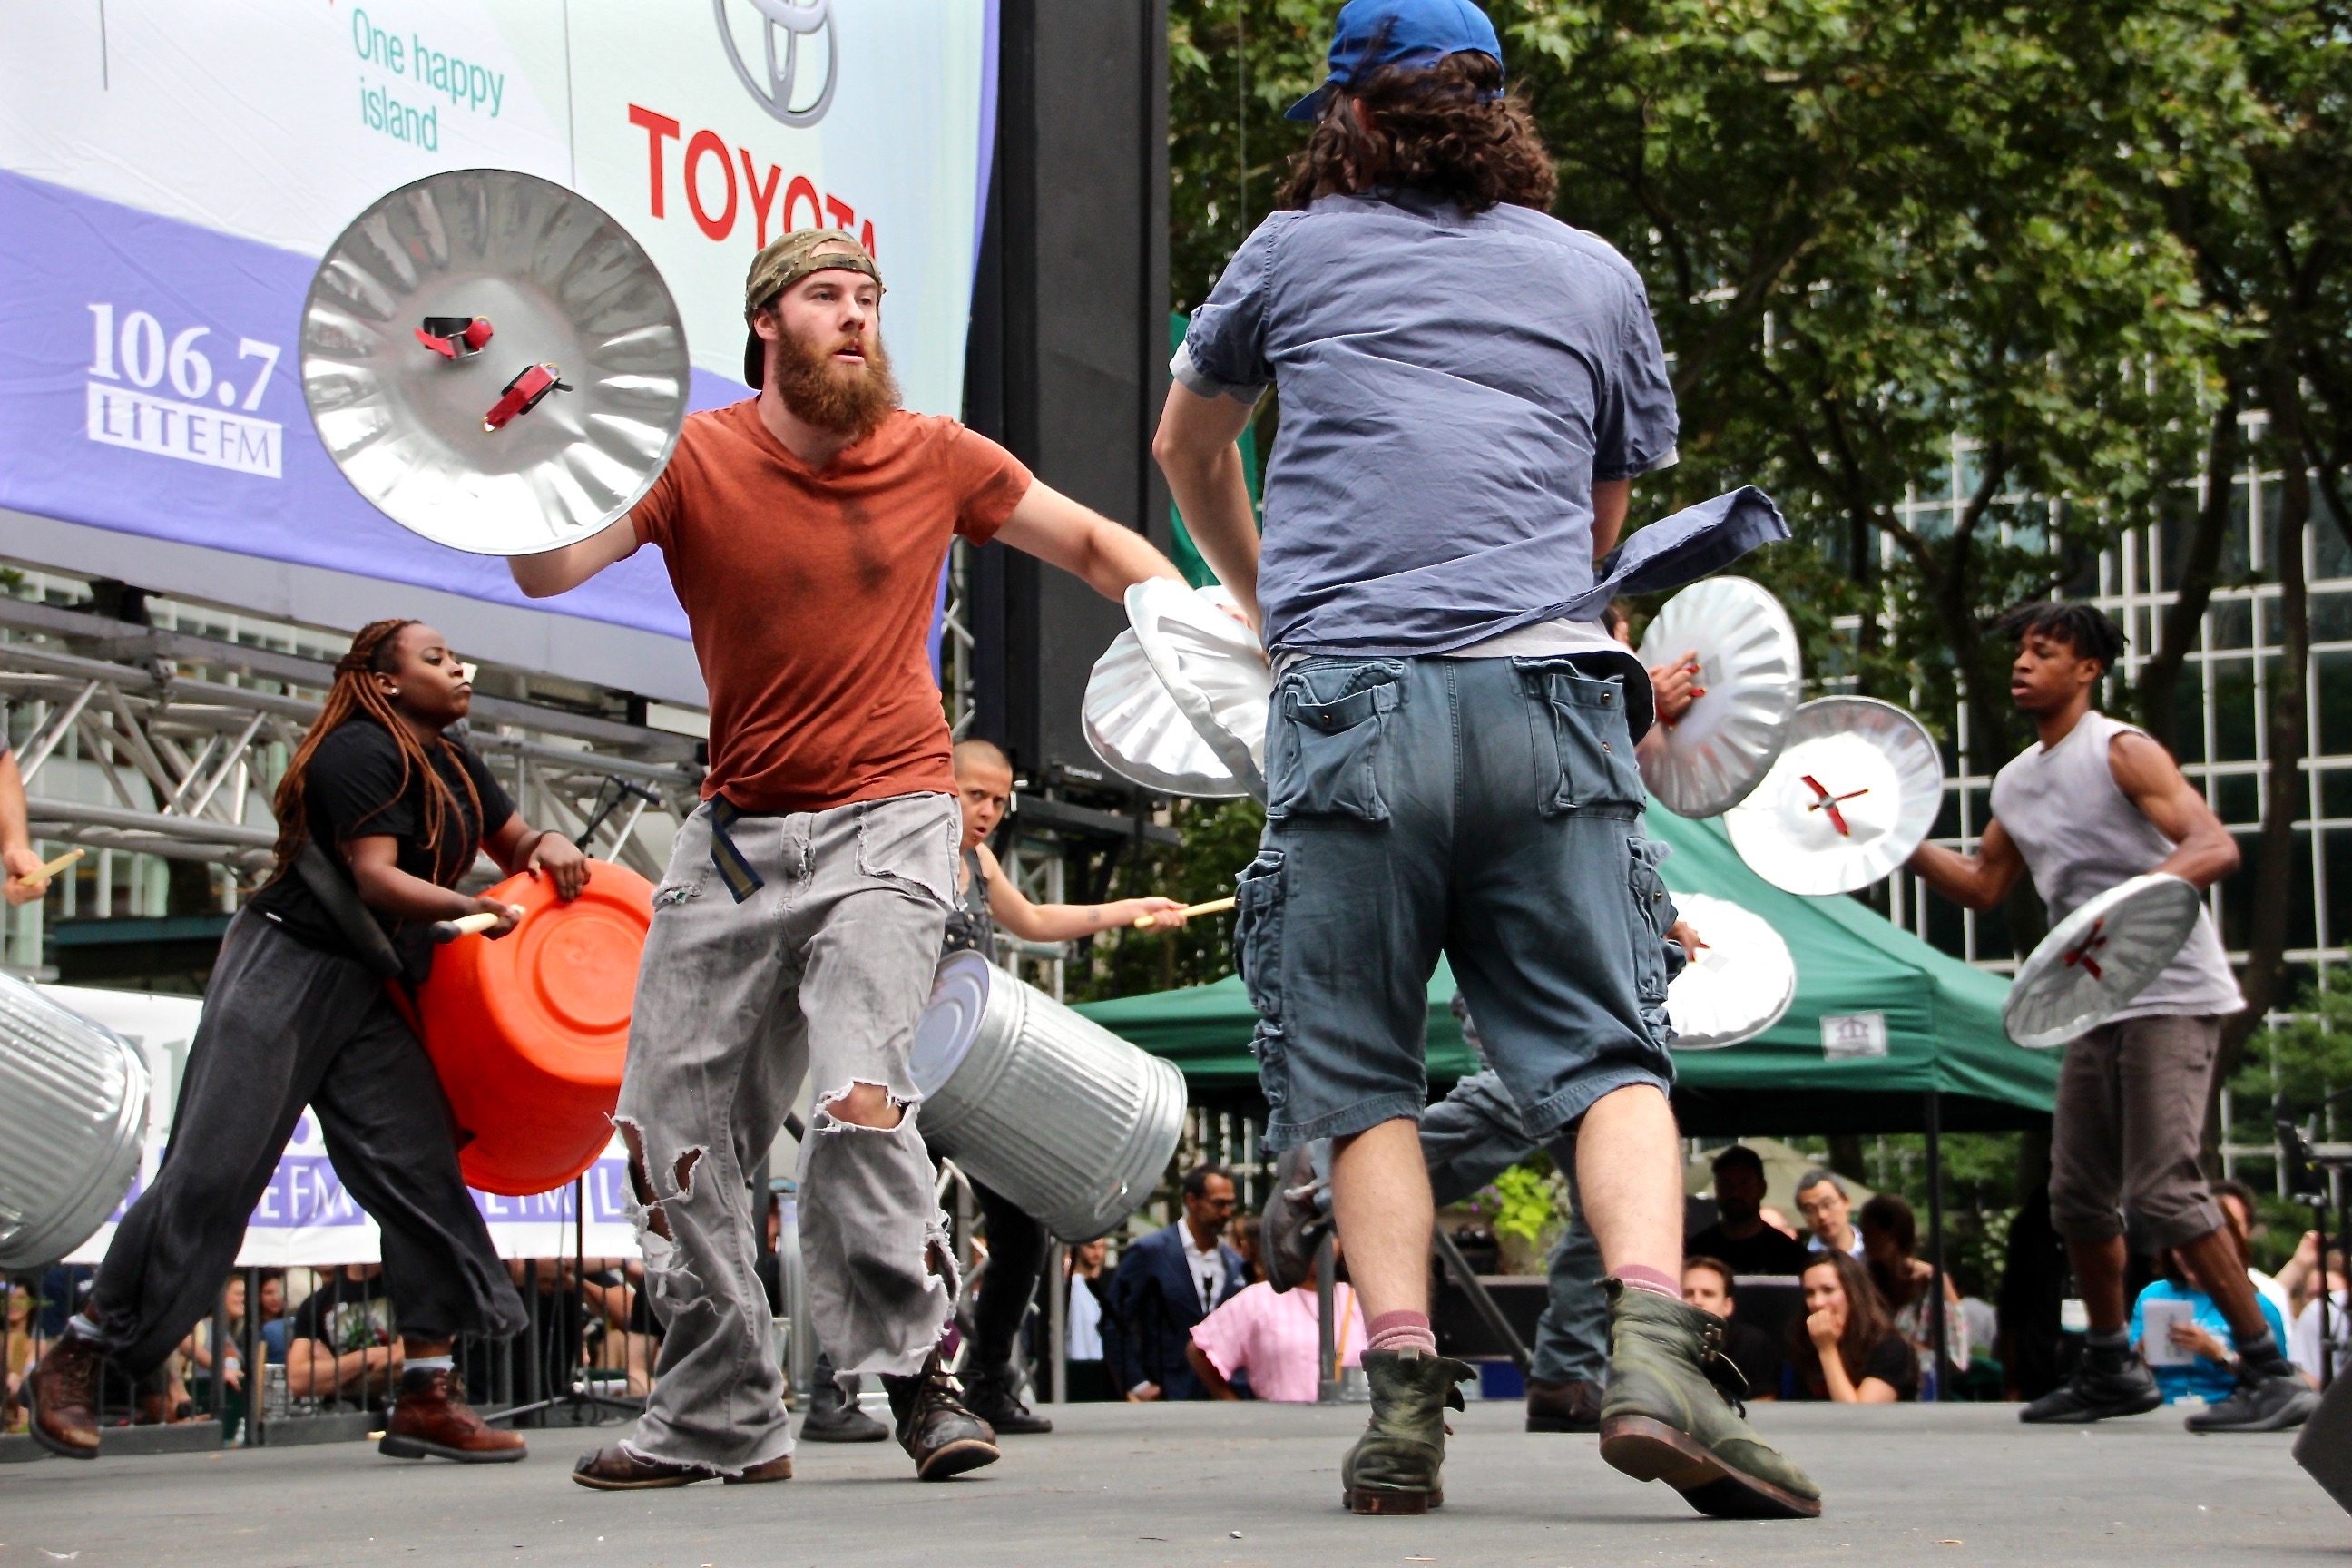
[{"x": 1198, "y": 1485}]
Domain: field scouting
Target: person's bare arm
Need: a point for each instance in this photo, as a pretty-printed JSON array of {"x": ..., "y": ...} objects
[
  {"x": 1059, "y": 531},
  {"x": 314, "y": 1372},
  {"x": 1610, "y": 498},
  {"x": 16, "y": 854},
  {"x": 552, "y": 572},
  {"x": 2151, "y": 780},
  {"x": 1065, "y": 922},
  {"x": 517, "y": 846},
  {"x": 1195, "y": 449},
  {"x": 1206, "y": 1370},
  {"x": 384, "y": 886},
  {"x": 1978, "y": 881}
]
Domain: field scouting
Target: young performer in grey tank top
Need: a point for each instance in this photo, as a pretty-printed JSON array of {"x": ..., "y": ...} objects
[{"x": 2096, "y": 803}]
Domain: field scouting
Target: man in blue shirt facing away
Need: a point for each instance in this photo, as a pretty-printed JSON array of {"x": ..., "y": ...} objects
[{"x": 1467, "y": 387}]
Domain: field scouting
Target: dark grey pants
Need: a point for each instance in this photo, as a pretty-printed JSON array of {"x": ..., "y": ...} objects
[
  {"x": 1468, "y": 1139},
  {"x": 285, "y": 1026}
]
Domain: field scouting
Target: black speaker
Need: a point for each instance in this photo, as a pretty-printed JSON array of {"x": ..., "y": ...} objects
[
  {"x": 1067, "y": 359},
  {"x": 2324, "y": 1447}
]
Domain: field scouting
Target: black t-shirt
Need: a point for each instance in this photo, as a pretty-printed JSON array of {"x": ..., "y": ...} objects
[
  {"x": 1768, "y": 1251},
  {"x": 1893, "y": 1363},
  {"x": 1756, "y": 1353},
  {"x": 344, "y": 1315},
  {"x": 352, "y": 790}
]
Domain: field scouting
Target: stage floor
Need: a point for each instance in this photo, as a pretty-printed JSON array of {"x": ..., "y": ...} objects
[{"x": 1205, "y": 1485}]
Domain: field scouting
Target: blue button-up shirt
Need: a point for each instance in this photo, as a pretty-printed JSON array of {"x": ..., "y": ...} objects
[{"x": 1452, "y": 388}]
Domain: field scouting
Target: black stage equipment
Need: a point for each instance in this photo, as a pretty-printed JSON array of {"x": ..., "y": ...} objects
[{"x": 1067, "y": 360}]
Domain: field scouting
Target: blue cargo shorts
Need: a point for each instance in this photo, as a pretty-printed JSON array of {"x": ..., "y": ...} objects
[{"x": 1487, "y": 808}]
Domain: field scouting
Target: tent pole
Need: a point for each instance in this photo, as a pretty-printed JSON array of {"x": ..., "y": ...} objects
[{"x": 1936, "y": 1309}]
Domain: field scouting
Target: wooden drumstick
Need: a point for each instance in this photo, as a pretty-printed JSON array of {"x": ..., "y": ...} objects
[
  {"x": 467, "y": 925},
  {"x": 1213, "y": 907},
  {"x": 52, "y": 868}
]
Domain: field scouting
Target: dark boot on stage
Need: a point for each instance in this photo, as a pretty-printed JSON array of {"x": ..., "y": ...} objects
[
  {"x": 613, "y": 1469},
  {"x": 2107, "y": 1383},
  {"x": 2271, "y": 1397},
  {"x": 431, "y": 1418},
  {"x": 935, "y": 1426},
  {"x": 995, "y": 1398},
  {"x": 1671, "y": 1414},
  {"x": 1570, "y": 1406},
  {"x": 1398, "y": 1465},
  {"x": 60, "y": 1394},
  {"x": 833, "y": 1418}
]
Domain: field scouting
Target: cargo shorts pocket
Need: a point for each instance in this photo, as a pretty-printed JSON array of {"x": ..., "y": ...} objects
[
  {"x": 1583, "y": 746},
  {"x": 1653, "y": 916},
  {"x": 910, "y": 841},
  {"x": 1257, "y": 931},
  {"x": 1327, "y": 765}
]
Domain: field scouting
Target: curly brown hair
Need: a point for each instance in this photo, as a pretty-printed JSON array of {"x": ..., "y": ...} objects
[{"x": 1445, "y": 129}]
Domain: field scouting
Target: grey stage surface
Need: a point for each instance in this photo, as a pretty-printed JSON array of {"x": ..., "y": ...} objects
[{"x": 1148, "y": 1486}]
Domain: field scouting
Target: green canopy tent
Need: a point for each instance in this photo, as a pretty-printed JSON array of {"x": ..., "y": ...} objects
[{"x": 1886, "y": 1034}]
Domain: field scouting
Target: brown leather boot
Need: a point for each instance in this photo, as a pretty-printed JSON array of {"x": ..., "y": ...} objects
[
  {"x": 60, "y": 1394},
  {"x": 937, "y": 1430},
  {"x": 431, "y": 1418},
  {"x": 1570, "y": 1406}
]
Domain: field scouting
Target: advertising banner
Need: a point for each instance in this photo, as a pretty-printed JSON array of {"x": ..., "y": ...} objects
[
  {"x": 305, "y": 1217},
  {"x": 171, "y": 171}
]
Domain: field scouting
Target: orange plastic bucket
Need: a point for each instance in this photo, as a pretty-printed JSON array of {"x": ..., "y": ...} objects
[{"x": 528, "y": 1033}]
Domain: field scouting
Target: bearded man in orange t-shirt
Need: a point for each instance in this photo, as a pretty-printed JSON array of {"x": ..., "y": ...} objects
[{"x": 799, "y": 924}]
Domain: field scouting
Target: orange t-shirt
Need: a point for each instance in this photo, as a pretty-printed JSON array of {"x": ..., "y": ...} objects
[{"x": 811, "y": 592}]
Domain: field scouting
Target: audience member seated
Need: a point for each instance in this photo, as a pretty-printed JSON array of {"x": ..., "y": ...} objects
[
  {"x": 1708, "y": 1285},
  {"x": 273, "y": 1315},
  {"x": 1847, "y": 1349},
  {"x": 17, "y": 1352},
  {"x": 2237, "y": 1202},
  {"x": 198, "y": 1346},
  {"x": 1276, "y": 1341},
  {"x": 1822, "y": 1199},
  {"x": 1890, "y": 1246},
  {"x": 1740, "y": 1235},
  {"x": 2305, "y": 1346},
  {"x": 1083, "y": 1353},
  {"x": 1242, "y": 1236},
  {"x": 2164, "y": 1332},
  {"x": 340, "y": 1344}
]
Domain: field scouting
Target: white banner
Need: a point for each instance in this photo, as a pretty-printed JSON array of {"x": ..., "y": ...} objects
[
  {"x": 305, "y": 1217},
  {"x": 171, "y": 170}
]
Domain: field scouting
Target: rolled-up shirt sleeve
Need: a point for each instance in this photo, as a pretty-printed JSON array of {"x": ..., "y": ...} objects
[
  {"x": 1635, "y": 425},
  {"x": 1225, "y": 349}
]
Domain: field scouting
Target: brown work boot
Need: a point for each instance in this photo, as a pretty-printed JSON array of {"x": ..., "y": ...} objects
[
  {"x": 1570, "y": 1406},
  {"x": 60, "y": 1394},
  {"x": 431, "y": 1418},
  {"x": 779, "y": 1468},
  {"x": 613, "y": 1469},
  {"x": 935, "y": 1426}
]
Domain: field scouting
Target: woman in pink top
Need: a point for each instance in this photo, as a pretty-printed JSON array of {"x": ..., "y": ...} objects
[{"x": 1274, "y": 1340}]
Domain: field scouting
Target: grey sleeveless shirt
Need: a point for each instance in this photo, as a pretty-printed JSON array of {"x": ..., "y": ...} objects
[{"x": 2081, "y": 834}]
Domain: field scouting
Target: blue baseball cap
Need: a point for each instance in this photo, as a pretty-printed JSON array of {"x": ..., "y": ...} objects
[{"x": 1375, "y": 33}]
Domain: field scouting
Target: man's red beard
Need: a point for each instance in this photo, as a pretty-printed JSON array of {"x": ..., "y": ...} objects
[{"x": 810, "y": 381}]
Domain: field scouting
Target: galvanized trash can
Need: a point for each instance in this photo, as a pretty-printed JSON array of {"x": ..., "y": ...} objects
[
  {"x": 1054, "y": 1110},
  {"x": 75, "y": 1119}
]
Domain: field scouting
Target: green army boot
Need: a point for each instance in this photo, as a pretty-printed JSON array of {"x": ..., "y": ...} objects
[
  {"x": 1666, "y": 1416},
  {"x": 1398, "y": 1465}
]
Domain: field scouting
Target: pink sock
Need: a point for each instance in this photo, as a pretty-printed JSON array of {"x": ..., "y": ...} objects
[
  {"x": 1633, "y": 1277},
  {"x": 1400, "y": 1332}
]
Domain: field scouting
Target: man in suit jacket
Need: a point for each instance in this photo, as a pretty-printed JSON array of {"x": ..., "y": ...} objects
[{"x": 1166, "y": 1283}]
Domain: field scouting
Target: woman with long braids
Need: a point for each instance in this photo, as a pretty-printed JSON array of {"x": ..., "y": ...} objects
[{"x": 380, "y": 815}]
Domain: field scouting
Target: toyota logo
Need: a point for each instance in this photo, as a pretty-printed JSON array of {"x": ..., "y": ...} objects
[{"x": 795, "y": 44}]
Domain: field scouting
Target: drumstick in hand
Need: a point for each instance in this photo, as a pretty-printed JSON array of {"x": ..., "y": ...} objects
[
  {"x": 1213, "y": 907},
  {"x": 51, "y": 869}
]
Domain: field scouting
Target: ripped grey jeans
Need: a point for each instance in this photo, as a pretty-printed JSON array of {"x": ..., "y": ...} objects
[{"x": 823, "y": 967}]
